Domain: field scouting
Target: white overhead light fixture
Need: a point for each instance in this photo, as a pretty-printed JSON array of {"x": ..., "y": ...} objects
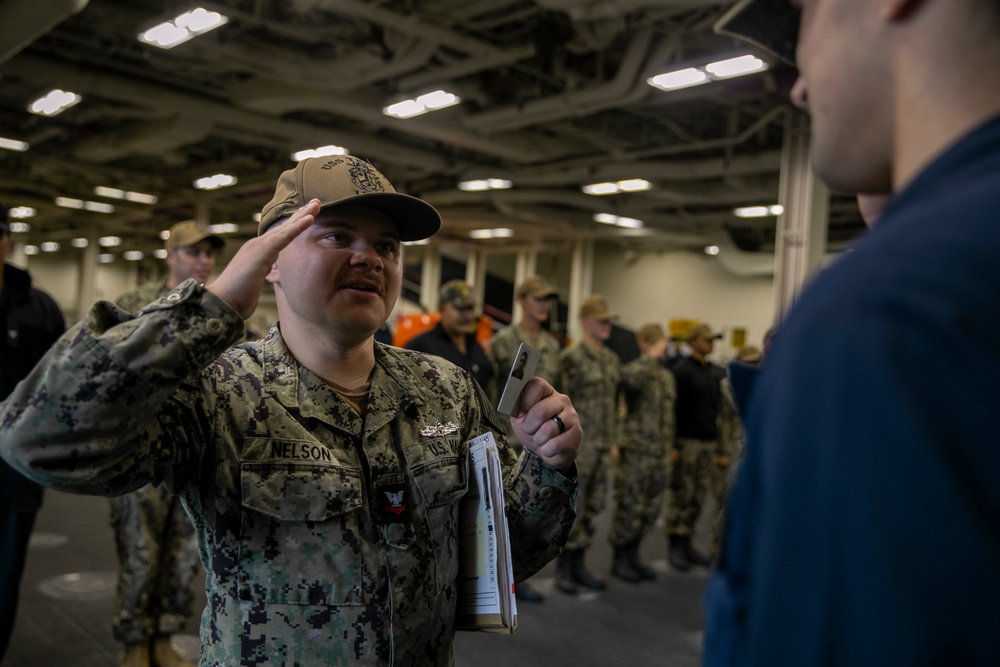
[
  {"x": 439, "y": 99},
  {"x": 215, "y": 182},
  {"x": 420, "y": 242},
  {"x": 79, "y": 242},
  {"x": 117, "y": 193},
  {"x": 498, "y": 233},
  {"x": 79, "y": 204},
  {"x": 160, "y": 253},
  {"x": 758, "y": 211},
  {"x": 133, "y": 255},
  {"x": 256, "y": 217},
  {"x": 105, "y": 258},
  {"x": 19, "y": 227},
  {"x": 711, "y": 250},
  {"x": 224, "y": 228},
  {"x": 30, "y": 250},
  {"x": 21, "y": 212},
  {"x": 109, "y": 241},
  {"x": 50, "y": 246},
  {"x": 618, "y": 221},
  {"x": 53, "y": 102},
  {"x": 608, "y": 188},
  {"x": 485, "y": 184},
  {"x": 165, "y": 234},
  {"x": 190, "y": 24},
  {"x": 322, "y": 151},
  {"x": 13, "y": 144},
  {"x": 714, "y": 71}
]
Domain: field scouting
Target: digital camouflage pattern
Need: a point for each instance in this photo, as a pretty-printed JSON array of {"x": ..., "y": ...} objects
[
  {"x": 690, "y": 480},
  {"x": 158, "y": 558},
  {"x": 591, "y": 380},
  {"x": 156, "y": 545},
  {"x": 643, "y": 470},
  {"x": 312, "y": 557}
]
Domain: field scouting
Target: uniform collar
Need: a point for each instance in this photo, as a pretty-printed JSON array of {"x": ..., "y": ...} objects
[{"x": 298, "y": 388}]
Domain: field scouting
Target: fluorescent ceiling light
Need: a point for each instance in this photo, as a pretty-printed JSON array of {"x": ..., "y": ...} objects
[
  {"x": 13, "y": 144},
  {"x": 215, "y": 182},
  {"x": 116, "y": 193},
  {"x": 109, "y": 241},
  {"x": 50, "y": 246},
  {"x": 224, "y": 228},
  {"x": 256, "y": 217},
  {"x": 53, "y": 102},
  {"x": 739, "y": 66},
  {"x": 682, "y": 78},
  {"x": 19, "y": 227},
  {"x": 628, "y": 185},
  {"x": 79, "y": 204},
  {"x": 165, "y": 234},
  {"x": 714, "y": 71},
  {"x": 420, "y": 242},
  {"x": 30, "y": 250},
  {"x": 758, "y": 211},
  {"x": 160, "y": 253},
  {"x": 133, "y": 255},
  {"x": 322, "y": 151},
  {"x": 21, "y": 212},
  {"x": 711, "y": 250},
  {"x": 618, "y": 221},
  {"x": 485, "y": 184},
  {"x": 79, "y": 242},
  {"x": 105, "y": 258},
  {"x": 169, "y": 34},
  {"x": 498, "y": 233},
  {"x": 439, "y": 99}
]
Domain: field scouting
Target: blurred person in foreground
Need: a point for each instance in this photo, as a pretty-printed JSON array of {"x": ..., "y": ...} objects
[
  {"x": 323, "y": 471},
  {"x": 31, "y": 323},
  {"x": 864, "y": 528}
]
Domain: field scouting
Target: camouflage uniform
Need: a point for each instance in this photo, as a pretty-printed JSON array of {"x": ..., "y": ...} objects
[
  {"x": 307, "y": 561},
  {"x": 731, "y": 439},
  {"x": 643, "y": 469},
  {"x": 591, "y": 380},
  {"x": 156, "y": 544}
]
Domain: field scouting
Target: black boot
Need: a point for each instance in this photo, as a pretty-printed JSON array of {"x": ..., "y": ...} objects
[
  {"x": 581, "y": 575},
  {"x": 644, "y": 571},
  {"x": 564, "y": 573},
  {"x": 696, "y": 557},
  {"x": 622, "y": 566},
  {"x": 677, "y": 553}
]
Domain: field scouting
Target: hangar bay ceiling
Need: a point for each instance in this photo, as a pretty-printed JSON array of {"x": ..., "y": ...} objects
[{"x": 553, "y": 97}]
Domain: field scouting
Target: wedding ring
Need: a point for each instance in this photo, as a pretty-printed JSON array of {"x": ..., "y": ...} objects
[{"x": 559, "y": 423}]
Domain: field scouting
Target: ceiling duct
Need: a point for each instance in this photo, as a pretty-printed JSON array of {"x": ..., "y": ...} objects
[{"x": 22, "y": 22}]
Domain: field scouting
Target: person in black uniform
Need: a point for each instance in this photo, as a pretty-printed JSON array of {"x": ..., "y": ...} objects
[
  {"x": 697, "y": 447},
  {"x": 454, "y": 337}
]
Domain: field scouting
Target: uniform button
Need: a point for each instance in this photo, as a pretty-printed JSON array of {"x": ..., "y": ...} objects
[
  {"x": 174, "y": 296},
  {"x": 546, "y": 492},
  {"x": 215, "y": 326}
]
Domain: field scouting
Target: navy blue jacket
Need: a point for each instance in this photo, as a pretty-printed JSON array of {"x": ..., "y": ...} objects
[{"x": 864, "y": 528}]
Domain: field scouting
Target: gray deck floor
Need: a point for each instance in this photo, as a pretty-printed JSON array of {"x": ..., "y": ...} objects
[{"x": 657, "y": 623}]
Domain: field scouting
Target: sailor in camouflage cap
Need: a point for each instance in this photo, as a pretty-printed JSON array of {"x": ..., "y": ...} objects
[{"x": 323, "y": 471}]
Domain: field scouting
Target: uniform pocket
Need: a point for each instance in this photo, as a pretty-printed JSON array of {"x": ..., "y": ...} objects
[
  {"x": 299, "y": 537},
  {"x": 442, "y": 484}
]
